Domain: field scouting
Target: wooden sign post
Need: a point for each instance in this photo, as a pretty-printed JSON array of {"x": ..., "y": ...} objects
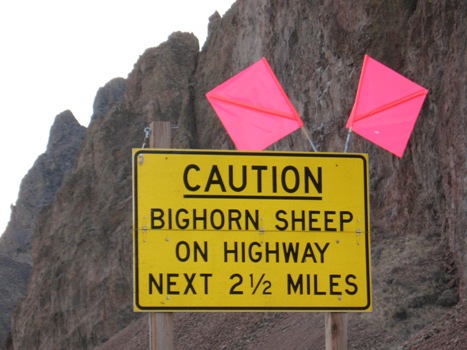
[
  {"x": 335, "y": 325},
  {"x": 160, "y": 323}
]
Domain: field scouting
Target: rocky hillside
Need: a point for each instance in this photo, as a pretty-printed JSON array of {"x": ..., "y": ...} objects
[{"x": 80, "y": 290}]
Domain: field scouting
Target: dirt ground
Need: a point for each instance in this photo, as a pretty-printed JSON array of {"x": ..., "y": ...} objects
[{"x": 291, "y": 331}]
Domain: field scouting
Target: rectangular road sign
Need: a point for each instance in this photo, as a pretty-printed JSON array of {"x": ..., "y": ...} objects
[{"x": 251, "y": 231}]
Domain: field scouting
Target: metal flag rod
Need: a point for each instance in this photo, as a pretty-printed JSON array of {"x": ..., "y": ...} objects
[
  {"x": 346, "y": 148},
  {"x": 305, "y": 132}
]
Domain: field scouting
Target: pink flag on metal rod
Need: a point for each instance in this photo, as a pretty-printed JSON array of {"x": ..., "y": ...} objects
[
  {"x": 254, "y": 108},
  {"x": 386, "y": 107}
]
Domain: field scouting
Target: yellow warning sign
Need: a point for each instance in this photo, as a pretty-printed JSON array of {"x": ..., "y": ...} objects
[{"x": 251, "y": 231}]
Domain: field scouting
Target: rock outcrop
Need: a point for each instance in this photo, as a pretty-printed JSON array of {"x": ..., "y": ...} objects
[
  {"x": 108, "y": 96},
  {"x": 84, "y": 238},
  {"x": 80, "y": 292},
  {"x": 37, "y": 191},
  {"x": 161, "y": 86}
]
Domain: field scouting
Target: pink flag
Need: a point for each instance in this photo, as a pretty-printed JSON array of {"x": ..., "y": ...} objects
[
  {"x": 254, "y": 108},
  {"x": 386, "y": 107}
]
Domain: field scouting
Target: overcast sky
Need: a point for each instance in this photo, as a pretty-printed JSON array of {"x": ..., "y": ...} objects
[{"x": 55, "y": 54}]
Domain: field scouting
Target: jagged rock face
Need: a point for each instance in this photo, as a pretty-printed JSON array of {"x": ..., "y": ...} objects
[
  {"x": 107, "y": 97},
  {"x": 316, "y": 49},
  {"x": 161, "y": 84},
  {"x": 39, "y": 186},
  {"x": 37, "y": 190},
  {"x": 84, "y": 239}
]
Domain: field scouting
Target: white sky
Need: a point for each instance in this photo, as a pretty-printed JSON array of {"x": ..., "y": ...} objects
[{"x": 55, "y": 54}]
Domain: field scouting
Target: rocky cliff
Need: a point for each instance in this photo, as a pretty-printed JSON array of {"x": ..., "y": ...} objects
[
  {"x": 37, "y": 191},
  {"x": 80, "y": 291}
]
